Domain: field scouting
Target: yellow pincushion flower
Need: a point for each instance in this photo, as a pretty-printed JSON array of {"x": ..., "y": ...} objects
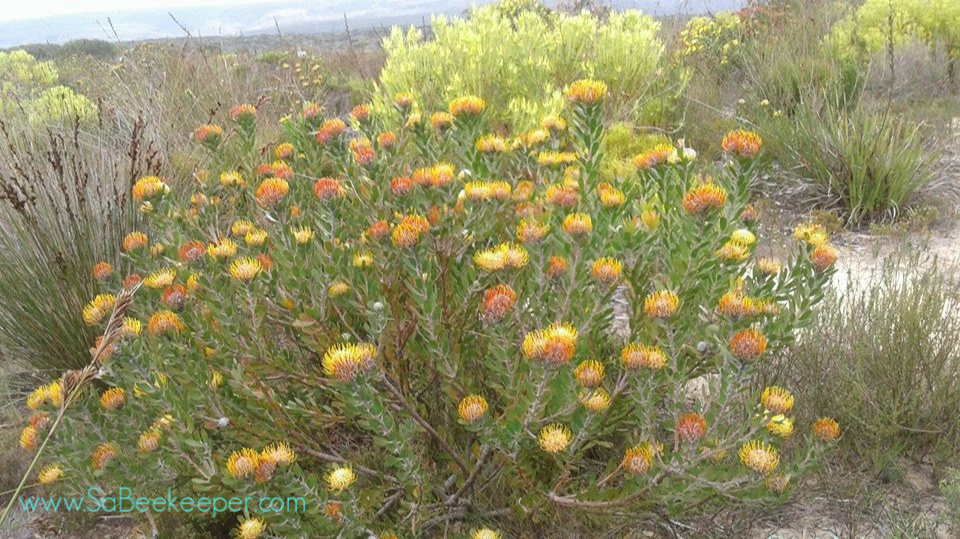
[
  {"x": 610, "y": 196},
  {"x": 636, "y": 356},
  {"x": 654, "y": 157},
  {"x": 255, "y": 237},
  {"x": 160, "y": 278},
  {"x": 661, "y": 304},
  {"x": 149, "y": 441},
  {"x": 743, "y": 236},
  {"x": 531, "y": 231},
  {"x": 98, "y": 308},
  {"x": 607, "y": 271},
  {"x": 54, "y": 393},
  {"x": 103, "y": 455},
  {"x": 441, "y": 121},
  {"x": 780, "y": 425},
  {"x": 363, "y": 259},
  {"x": 251, "y": 528},
  {"x": 165, "y": 322},
  {"x": 484, "y": 533},
  {"x": 467, "y": 106},
  {"x": 556, "y": 159},
  {"x": 50, "y": 474},
  {"x": 242, "y": 464},
  {"x": 589, "y": 373},
  {"x": 811, "y": 234},
  {"x": 232, "y": 179},
  {"x": 279, "y": 453},
  {"x": 824, "y": 256},
  {"x": 302, "y": 235},
  {"x": 149, "y": 187},
  {"x": 777, "y": 400},
  {"x": 491, "y": 144},
  {"x": 768, "y": 266},
  {"x": 134, "y": 241},
  {"x": 271, "y": 191},
  {"x": 587, "y": 91},
  {"x": 472, "y": 408},
  {"x": 759, "y": 457},
  {"x": 704, "y": 197},
  {"x": 132, "y": 327},
  {"x": 223, "y": 249},
  {"x": 245, "y": 269},
  {"x": 577, "y": 224},
  {"x": 112, "y": 399},
  {"x": 28, "y": 438},
  {"x": 338, "y": 289},
  {"x": 554, "y": 438},
  {"x": 502, "y": 256},
  {"x": 638, "y": 459},
  {"x": 595, "y": 400},
  {"x": 741, "y": 143},
  {"x": 340, "y": 478},
  {"x": 487, "y": 190},
  {"x": 345, "y": 361},
  {"x": 554, "y": 345},
  {"x": 733, "y": 251},
  {"x": 38, "y": 397},
  {"x": 240, "y": 227}
]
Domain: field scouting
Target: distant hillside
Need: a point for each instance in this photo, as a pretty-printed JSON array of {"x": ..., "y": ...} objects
[{"x": 291, "y": 16}]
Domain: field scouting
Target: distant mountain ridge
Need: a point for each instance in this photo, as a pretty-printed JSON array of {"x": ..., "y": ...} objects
[{"x": 290, "y": 16}]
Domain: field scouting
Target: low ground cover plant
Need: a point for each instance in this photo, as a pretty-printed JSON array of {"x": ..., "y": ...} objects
[{"x": 414, "y": 329}]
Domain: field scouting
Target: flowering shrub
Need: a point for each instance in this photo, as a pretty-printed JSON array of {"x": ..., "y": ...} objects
[
  {"x": 439, "y": 324},
  {"x": 522, "y": 58},
  {"x": 714, "y": 39}
]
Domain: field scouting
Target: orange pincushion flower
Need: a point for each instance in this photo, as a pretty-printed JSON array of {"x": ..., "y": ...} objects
[
  {"x": 553, "y": 123},
  {"x": 112, "y": 399},
  {"x": 345, "y": 361},
  {"x": 691, "y": 427},
  {"x": 98, "y": 308},
  {"x": 759, "y": 457},
  {"x": 530, "y": 231},
  {"x": 704, "y": 197},
  {"x": 103, "y": 455},
  {"x": 472, "y": 408},
  {"x": 654, "y": 157},
  {"x": 149, "y": 187},
  {"x": 748, "y": 345},
  {"x": 491, "y": 144},
  {"x": 587, "y": 91},
  {"x": 243, "y": 464},
  {"x": 777, "y": 400},
  {"x": 102, "y": 271},
  {"x": 742, "y": 143},
  {"x": 362, "y": 152},
  {"x": 824, "y": 256},
  {"x": 439, "y": 175},
  {"x": 329, "y": 189},
  {"x": 441, "y": 121},
  {"x": 636, "y": 356},
  {"x": 556, "y": 267},
  {"x": 826, "y": 429},
  {"x": 589, "y": 373},
  {"x": 387, "y": 140},
  {"x": 271, "y": 191},
  {"x": 243, "y": 113},
  {"x": 378, "y": 230},
  {"x": 40, "y": 420},
  {"x": 638, "y": 459},
  {"x": 661, "y": 304},
  {"x": 467, "y": 106},
  {"x": 403, "y": 100},
  {"x": 564, "y": 197},
  {"x": 310, "y": 111},
  {"x": 330, "y": 129},
  {"x": 283, "y": 151},
  {"x": 497, "y": 302},
  {"x": 192, "y": 251},
  {"x": 554, "y": 438},
  {"x": 407, "y": 233},
  {"x": 164, "y": 322},
  {"x": 554, "y": 345},
  {"x": 134, "y": 241},
  {"x": 578, "y": 224},
  {"x": 360, "y": 112},
  {"x": 132, "y": 280},
  {"x": 209, "y": 135},
  {"x": 607, "y": 271}
]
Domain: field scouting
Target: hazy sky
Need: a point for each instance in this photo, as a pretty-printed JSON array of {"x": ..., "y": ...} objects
[{"x": 31, "y": 9}]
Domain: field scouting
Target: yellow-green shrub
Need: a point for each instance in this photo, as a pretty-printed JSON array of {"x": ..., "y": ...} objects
[
  {"x": 426, "y": 319},
  {"x": 59, "y": 104},
  {"x": 524, "y": 59},
  {"x": 712, "y": 39}
]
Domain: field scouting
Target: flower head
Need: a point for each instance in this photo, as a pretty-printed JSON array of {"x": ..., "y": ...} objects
[
  {"x": 690, "y": 427},
  {"x": 362, "y": 151},
  {"x": 638, "y": 459},
  {"x": 826, "y": 429},
  {"x": 149, "y": 441},
  {"x": 441, "y": 121},
  {"x": 777, "y": 400},
  {"x": 748, "y": 345},
  {"x": 759, "y": 457},
  {"x": 330, "y": 129},
  {"x": 824, "y": 256},
  {"x": 637, "y": 356},
  {"x": 661, "y": 304},
  {"x": 554, "y": 345},
  {"x": 134, "y": 241},
  {"x": 191, "y": 251},
  {"x": 577, "y": 224},
  {"x": 505, "y": 255},
  {"x": 530, "y": 231},
  {"x": 112, "y": 399},
  {"x": 654, "y": 157},
  {"x": 232, "y": 179},
  {"x": 245, "y": 269},
  {"x": 50, "y": 474},
  {"x": 29, "y": 437},
  {"x": 98, "y": 308},
  {"x": 243, "y": 113},
  {"x": 103, "y": 455},
  {"x": 102, "y": 271},
  {"x": 251, "y": 528},
  {"x": 340, "y": 478},
  {"x": 467, "y": 106},
  {"x": 484, "y": 533},
  {"x": 472, "y": 408},
  {"x": 587, "y": 91},
  {"x": 589, "y": 373},
  {"x": 284, "y": 151},
  {"x": 345, "y": 361},
  {"x": 209, "y": 135},
  {"x": 160, "y": 279},
  {"x": 386, "y": 140},
  {"x": 703, "y": 197},
  {"x": 222, "y": 249},
  {"x": 149, "y": 187},
  {"x": 768, "y": 266},
  {"x": 554, "y": 438},
  {"x": 242, "y": 464},
  {"x": 164, "y": 323},
  {"x": 595, "y": 400},
  {"x": 741, "y": 143},
  {"x": 271, "y": 191},
  {"x": 780, "y": 425},
  {"x": 497, "y": 302},
  {"x": 607, "y": 271},
  {"x": 556, "y": 267},
  {"x": 491, "y": 144}
]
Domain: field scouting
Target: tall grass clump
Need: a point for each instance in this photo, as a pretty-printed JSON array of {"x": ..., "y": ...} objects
[
  {"x": 524, "y": 57},
  {"x": 884, "y": 354}
]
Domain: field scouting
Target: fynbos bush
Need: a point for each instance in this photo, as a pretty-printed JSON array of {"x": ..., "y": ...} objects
[{"x": 416, "y": 328}]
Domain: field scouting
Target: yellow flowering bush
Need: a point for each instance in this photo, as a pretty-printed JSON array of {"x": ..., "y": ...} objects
[
  {"x": 522, "y": 58},
  {"x": 425, "y": 328},
  {"x": 713, "y": 39}
]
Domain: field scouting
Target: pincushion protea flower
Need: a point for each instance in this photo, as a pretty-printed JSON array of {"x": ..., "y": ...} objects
[
  {"x": 50, "y": 474},
  {"x": 661, "y": 304},
  {"x": 28, "y": 438},
  {"x": 491, "y": 144},
  {"x": 362, "y": 152},
  {"x": 578, "y": 224},
  {"x": 302, "y": 235},
  {"x": 361, "y": 112},
  {"x": 251, "y": 528},
  {"x": 557, "y": 267},
  {"x": 467, "y": 106},
  {"x": 441, "y": 121},
  {"x": 331, "y": 128},
  {"x": 408, "y": 231},
  {"x": 164, "y": 323},
  {"x": 209, "y": 135},
  {"x": 283, "y": 151},
  {"x": 438, "y": 175},
  {"x": 638, "y": 459},
  {"x": 98, "y": 308},
  {"x": 530, "y": 231},
  {"x": 472, "y": 408},
  {"x": 780, "y": 425},
  {"x": 363, "y": 259},
  {"x": 704, "y": 197},
  {"x": 637, "y": 356},
  {"x": 279, "y": 453},
  {"x": 610, "y": 196},
  {"x": 824, "y": 256},
  {"x": 777, "y": 483},
  {"x": 554, "y": 438},
  {"x": 759, "y": 457},
  {"x": 744, "y": 236},
  {"x": 553, "y": 123},
  {"x": 607, "y": 271},
  {"x": 497, "y": 302},
  {"x": 502, "y": 256},
  {"x": 112, "y": 399},
  {"x": 103, "y": 455},
  {"x": 149, "y": 441},
  {"x": 690, "y": 427},
  {"x": 149, "y": 187},
  {"x": 564, "y": 197},
  {"x": 484, "y": 533},
  {"x": 378, "y": 230},
  {"x": 340, "y": 478},
  {"x": 826, "y": 429},
  {"x": 243, "y": 112},
  {"x": 160, "y": 278},
  {"x": 40, "y": 420},
  {"x": 255, "y": 238},
  {"x": 240, "y": 227},
  {"x": 242, "y": 464},
  {"x": 232, "y": 179},
  {"x": 589, "y": 373},
  {"x": 595, "y": 400},
  {"x": 191, "y": 251},
  {"x": 329, "y": 189},
  {"x": 741, "y": 143},
  {"x": 223, "y": 249},
  {"x": 271, "y": 191},
  {"x": 587, "y": 91},
  {"x": 556, "y": 159},
  {"x": 345, "y": 361},
  {"x": 777, "y": 400},
  {"x": 245, "y": 269},
  {"x": 102, "y": 271},
  {"x": 403, "y": 100},
  {"x": 768, "y": 266},
  {"x": 811, "y": 234},
  {"x": 487, "y": 190},
  {"x": 748, "y": 345},
  {"x": 554, "y": 345},
  {"x": 338, "y": 289},
  {"x": 733, "y": 251},
  {"x": 134, "y": 241},
  {"x": 654, "y": 157},
  {"x": 386, "y": 140}
]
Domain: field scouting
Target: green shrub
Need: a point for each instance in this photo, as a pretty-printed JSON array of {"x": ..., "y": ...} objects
[
  {"x": 525, "y": 60},
  {"x": 950, "y": 487},
  {"x": 884, "y": 355},
  {"x": 61, "y": 104},
  {"x": 869, "y": 165},
  {"x": 437, "y": 347}
]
